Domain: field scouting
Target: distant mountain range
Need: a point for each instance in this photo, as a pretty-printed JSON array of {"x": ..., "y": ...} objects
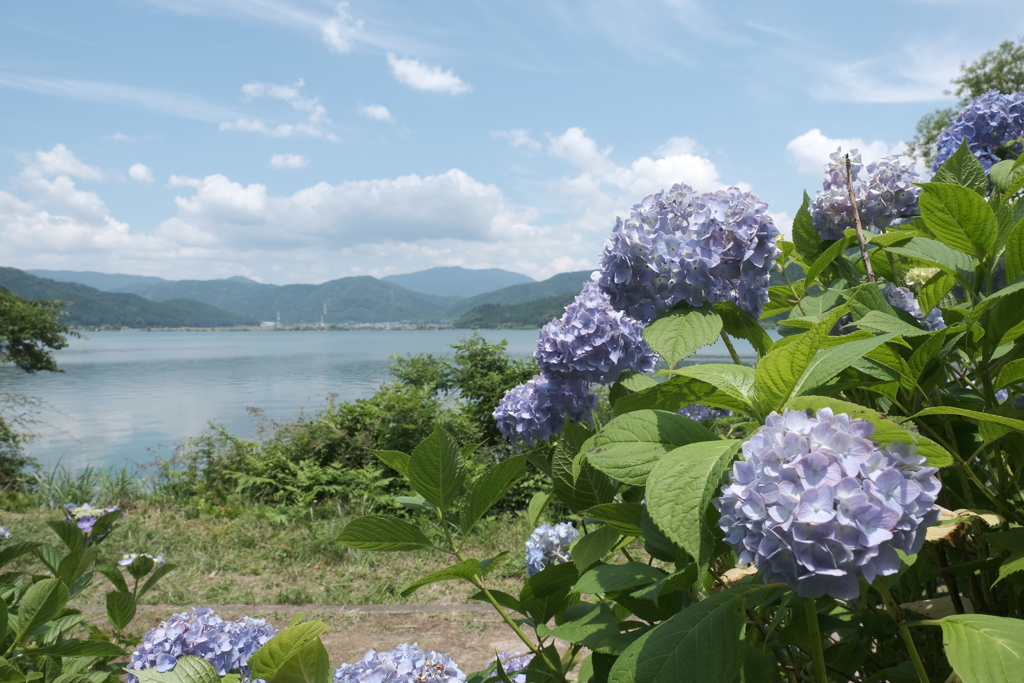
[
  {"x": 154, "y": 302},
  {"x": 456, "y": 281}
]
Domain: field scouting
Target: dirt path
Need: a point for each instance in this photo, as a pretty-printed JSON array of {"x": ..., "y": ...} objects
[{"x": 471, "y": 634}]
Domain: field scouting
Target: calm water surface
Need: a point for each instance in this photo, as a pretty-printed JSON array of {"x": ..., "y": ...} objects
[{"x": 128, "y": 397}]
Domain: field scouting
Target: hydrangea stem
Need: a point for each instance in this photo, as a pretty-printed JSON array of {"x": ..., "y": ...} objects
[
  {"x": 908, "y": 640},
  {"x": 732, "y": 349},
  {"x": 868, "y": 270},
  {"x": 814, "y": 632}
]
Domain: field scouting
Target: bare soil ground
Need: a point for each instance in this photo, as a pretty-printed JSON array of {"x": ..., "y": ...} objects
[{"x": 470, "y": 634}]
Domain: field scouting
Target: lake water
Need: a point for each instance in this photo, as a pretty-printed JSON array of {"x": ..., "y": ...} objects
[{"x": 128, "y": 397}]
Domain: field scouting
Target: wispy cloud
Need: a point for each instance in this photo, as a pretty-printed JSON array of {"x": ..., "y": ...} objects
[
  {"x": 420, "y": 76},
  {"x": 140, "y": 173},
  {"x": 914, "y": 73},
  {"x": 517, "y": 137},
  {"x": 378, "y": 112},
  {"x": 166, "y": 102},
  {"x": 315, "y": 124},
  {"x": 288, "y": 160}
]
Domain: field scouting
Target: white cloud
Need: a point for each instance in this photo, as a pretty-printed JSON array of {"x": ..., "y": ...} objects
[
  {"x": 420, "y": 76},
  {"x": 517, "y": 137},
  {"x": 59, "y": 161},
  {"x": 120, "y": 137},
  {"x": 914, "y": 73},
  {"x": 810, "y": 151},
  {"x": 288, "y": 160},
  {"x": 141, "y": 173},
  {"x": 377, "y": 111},
  {"x": 316, "y": 122},
  {"x": 182, "y": 181},
  {"x": 340, "y": 31}
]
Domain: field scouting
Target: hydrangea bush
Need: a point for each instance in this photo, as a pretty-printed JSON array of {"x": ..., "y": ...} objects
[
  {"x": 405, "y": 664},
  {"x": 860, "y": 516}
]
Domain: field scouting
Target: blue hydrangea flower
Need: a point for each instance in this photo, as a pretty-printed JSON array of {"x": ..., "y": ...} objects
[
  {"x": 405, "y": 664},
  {"x": 988, "y": 122},
  {"x": 5, "y": 533},
  {"x": 886, "y": 196},
  {"x": 86, "y": 515},
  {"x": 547, "y": 544},
  {"x": 227, "y": 645},
  {"x": 698, "y": 412},
  {"x": 535, "y": 410},
  {"x": 903, "y": 298},
  {"x": 129, "y": 558},
  {"x": 815, "y": 503},
  {"x": 676, "y": 247},
  {"x": 514, "y": 664},
  {"x": 593, "y": 342}
]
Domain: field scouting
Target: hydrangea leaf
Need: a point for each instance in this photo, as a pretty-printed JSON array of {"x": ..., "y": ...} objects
[
  {"x": 826, "y": 259},
  {"x": 595, "y": 627},
  {"x": 935, "y": 254},
  {"x": 549, "y": 591},
  {"x": 963, "y": 169},
  {"x": 396, "y": 460},
  {"x": 623, "y": 517},
  {"x": 467, "y": 569},
  {"x": 576, "y": 482},
  {"x": 886, "y": 430},
  {"x": 187, "y": 670},
  {"x": 12, "y": 551},
  {"x": 829, "y": 362},
  {"x": 629, "y": 382},
  {"x": 1017, "y": 425},
  {"x": 74, "y": 565},
  {"x": 383, "y": 532},
  {"x": 678, "y": 392},
  {"x": 776, "y": 375},
  {"x": 701, "y": 644},
  {"x": 489, "y": 489},
  {"x": 739, "y": 323},
  {"x": 593, "y": 547},
  {"x": 934, "y": 290},
  {"x": 1004, "y": 173},
  {"x": 1014, "y": 252},
  {"x": 607, "y": 578},
  {"x": 679, "y": 492},
  {"x": 69, "y": 533},
  {"x": 983, "y": 648},
  {"x": 41, "y": 603},
  {"x": 79, "y": 648},
  {"x": 1012, "y": 540},
  {"x": 677, "y": 333},
  {"x": 437, "y": 469},
  {"x": 538, "y": 503},
  {"x": 295, "y": 655},
  {"x": 959, "y": 218},
  {"x": 1012, "y": 373},
  {"x": 735, "y": 380},
  {"x": 805, "y": 236},
  {"x": 629, "y": 446},
  {"x": 160, "y": 571},
  {"x": 120, "y": 609}
]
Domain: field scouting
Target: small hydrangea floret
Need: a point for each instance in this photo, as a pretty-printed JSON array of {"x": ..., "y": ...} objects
[
  {"x": 904, "y": 299},
  {"x": 547, "y": 545},
  {"x": 818, "y": 505},
  {"x": 992, "y": 124},
  {"x": 200, "y": 632},
  {"x": 535, "y": 410},
  {"x": 677, "y": 246},
  {"x": 129, "y": 558},
  {"x": 405, "y": 664},
  {"x": 86, "y": 516},
  {"x": 5, "y": 533},
  {"x": 698, "y": 412},
  {"x": 513, "y": 663},
  {"x": 593, "y": 342},
  {"x": 885, "y": 196}
]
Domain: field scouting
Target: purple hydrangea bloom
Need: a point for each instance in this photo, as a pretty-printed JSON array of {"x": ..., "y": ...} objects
[
  {"x": 886, "y": 196},
  {"x": 86, "y": 515},
  {"x": 988, "y": 122},
  {"x": 405, "y": 664},
  {"x": 514, "y": 664},
  {"x": 675, "y": 247},
  {"x": 535, "y": 410},
  {"x": 815, "y": 503},
  {"x": 593, "y": 342},
  {"x": 698, "y": 412},
  {"x": 227, "y": 645},
  {"x": 129, "y": 558},
  {"x": 5, "y": 533},
  {"x": 547, "y": 544},
  {"x": 903, "y": 298}
]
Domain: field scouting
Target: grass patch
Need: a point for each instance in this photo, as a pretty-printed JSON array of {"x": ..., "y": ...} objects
[{"x": 253, "y": 556}]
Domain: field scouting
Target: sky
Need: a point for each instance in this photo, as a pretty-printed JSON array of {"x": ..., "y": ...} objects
[{"x": 300, "y": 141}]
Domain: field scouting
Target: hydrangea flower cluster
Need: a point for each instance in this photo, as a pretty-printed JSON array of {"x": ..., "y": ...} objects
[
  {"x": 227, "y": 645},
  {"x": 129, "y": 558},
  {"x": 903, "y": 298},
  {"x": 86, "y": 515},
  {"x": 546, "y": 545},
  {"x": 405, "y": 664},
  {"x": 887, "y": 195},
  {"x": 818, "y": 505},
  {"x": 988, "y": 122},
  {"x": 514, "y": 664},
  {"x": 593, "y": 342},
  {"x": 534, "y": 410},
  {"x": 676, "y": 246},
  {"x": 698, "y": 412}
]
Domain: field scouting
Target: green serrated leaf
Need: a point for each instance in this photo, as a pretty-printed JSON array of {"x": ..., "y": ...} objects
[
  {"x": 538, "y": 503},
  {"x": 623, "y": 517},
  {"x": 1014, "y": 252},
  {"x": 436, "y": 468},
  {"x": 396, "y": 460},
  {"x": 593, "y": 547},
  {"x": 740, "y": 324},
  {"x": 964, "y": 169},
  {"x": 737, "y": 381},
  {"x": 933, "y": 253},
  {"x": 1004, "y": 173},
  {"x": 805, "y": 235},
  {"x": 467, "y": 569},
  {"x": 829, "y": 362},
  {"x": 295, "y": 655},
  {"x": 1017, "y": 425},
  {"x": 630, "y": 445},
  {"x": 679, "y": 491},
  {"x": 188, "y": 669},
  {"x": 983, "y": 648},
  {"x": 490, "y": 488},
  {"x": 1012, "y": 540},
  {"x": 826, "y": 259},
  {"x": 120, "y": 609},
  {"x": 676, "y": 333},
  {"x": 576, "y": 482},
  {"x": 607, "y": 578},
  {"x": 959, "y": 218},
  {"x": 79, "y": 648},
  {"x": 41, "y": 603},
  {"x": 382, "y": 532}
]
